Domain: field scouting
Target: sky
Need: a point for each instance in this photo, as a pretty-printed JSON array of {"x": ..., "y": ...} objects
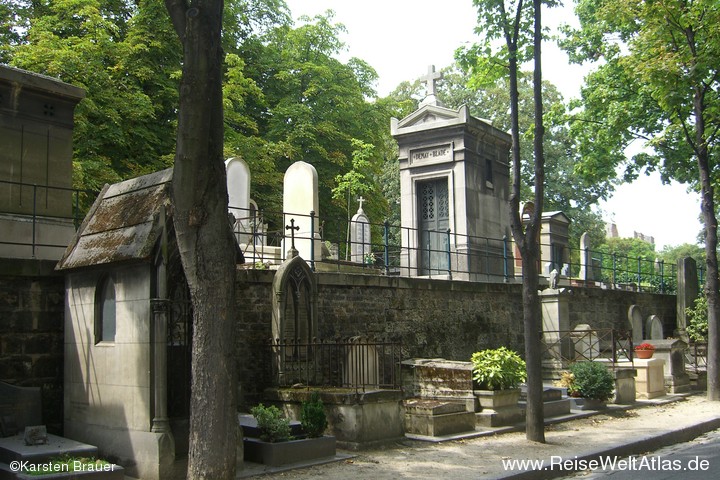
[{"x": 400, "y": 38}]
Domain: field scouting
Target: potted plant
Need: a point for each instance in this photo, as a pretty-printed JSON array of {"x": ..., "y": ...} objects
[
  {"x": 276, "y": 446},
  {"x": 593, "y": 382},
  {"x": 644, "y": 350},
  {"x": 497, "y": 374}
]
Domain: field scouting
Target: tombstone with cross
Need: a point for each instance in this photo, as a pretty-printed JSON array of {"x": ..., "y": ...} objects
[
  {"x": 301, "y": 203},
  {"x": 360, "y": 243}
]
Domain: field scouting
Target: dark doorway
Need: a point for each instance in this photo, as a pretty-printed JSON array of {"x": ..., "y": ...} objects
[{"x": 434, "y": 213}]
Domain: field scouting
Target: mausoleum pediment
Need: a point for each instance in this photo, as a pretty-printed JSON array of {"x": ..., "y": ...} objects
[{"x": 429, "y": 116}]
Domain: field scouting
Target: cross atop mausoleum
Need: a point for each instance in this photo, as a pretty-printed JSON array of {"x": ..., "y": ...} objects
[
  {"x": 430, "y": 80},
  {"x": 360, "y": 200}
]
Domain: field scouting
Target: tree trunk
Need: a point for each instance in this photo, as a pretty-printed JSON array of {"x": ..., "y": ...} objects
[
  {"x": 205, "y": 241},
  {"x": 711, "y": 242},
  {"x": 532, "y": 313},
  {"x": 527, "y": 239}
]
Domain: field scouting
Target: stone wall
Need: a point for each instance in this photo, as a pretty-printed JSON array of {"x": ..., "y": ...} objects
[
  {"x": 609, "y": 308},
  {"x": 31, "y": 332},
  {"x": 432, "y": 318}
]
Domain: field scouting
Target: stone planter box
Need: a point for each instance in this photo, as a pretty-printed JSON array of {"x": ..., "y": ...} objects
[
  {"x": 114, "y": 472},
  {"x": 494, "y": 399},
  {"x": 292, "y": 451},
  {"x": 593, "y": 404},
  {"x": 498, "y": 407}
]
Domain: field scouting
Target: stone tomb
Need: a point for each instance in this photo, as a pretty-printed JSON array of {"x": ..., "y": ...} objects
[
  {"x": 301, "y": 208},
  {"x": 672, "y": 351}
]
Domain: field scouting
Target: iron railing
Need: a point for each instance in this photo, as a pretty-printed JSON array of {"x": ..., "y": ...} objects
[
  {"x": 696, "y": 357},
  {"x": 398, "y": 250},
  {"x": 565, "y": 347},
  {"x": 40, "y": 204},
  {"x": 361, "y": 363}
]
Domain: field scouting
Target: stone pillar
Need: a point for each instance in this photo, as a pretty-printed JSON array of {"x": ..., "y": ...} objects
[
  {"x": 555, "y": 324},
  {"x": 585, "y": 265},
  {"x": 160, "y": 422},
  {"x": 687, "y": 292}
]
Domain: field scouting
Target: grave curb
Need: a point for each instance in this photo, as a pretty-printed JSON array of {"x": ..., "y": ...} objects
[{"x": 623, "y": 450}]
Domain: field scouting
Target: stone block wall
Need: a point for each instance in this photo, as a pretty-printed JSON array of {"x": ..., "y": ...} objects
[
  {"x": 609, "y": 308},
  {"x": 432, "y": 318},
  {"x": 31, "y": 332}
]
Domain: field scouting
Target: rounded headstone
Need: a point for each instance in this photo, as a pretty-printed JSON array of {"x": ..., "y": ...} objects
[{"x": 635, "y": 319}]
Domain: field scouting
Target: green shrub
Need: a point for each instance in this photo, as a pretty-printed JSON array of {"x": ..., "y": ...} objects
[
  {"x": 312, "y": 416},
  {"x": 593, "y": 380},
  {"x": 697, "y": 328},
  {"x": 273, "y": 426},
  {"x": 498, "y": 369}
]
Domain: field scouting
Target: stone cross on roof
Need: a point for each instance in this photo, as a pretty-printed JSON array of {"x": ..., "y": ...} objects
[
  {"x": 430, "y": 80},
  {"x": 361, "y": 200}
]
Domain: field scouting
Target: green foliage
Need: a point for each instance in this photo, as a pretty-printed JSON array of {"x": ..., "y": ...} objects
[
  {"x": 312, "y": 416},
  {"x": 593, "y": 380},
  {"x": 498, "y": 369},
  {"x": 274, "y": 427},
  {"x": 697, "y": 327}
]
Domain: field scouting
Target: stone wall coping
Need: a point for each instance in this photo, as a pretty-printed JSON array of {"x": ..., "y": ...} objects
[{"x": 333, "y": 396}]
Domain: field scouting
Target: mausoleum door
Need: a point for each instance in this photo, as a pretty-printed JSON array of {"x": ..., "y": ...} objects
[{"x": 434, "y": 213}]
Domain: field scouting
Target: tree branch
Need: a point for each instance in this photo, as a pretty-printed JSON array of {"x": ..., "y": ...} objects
[{"x": 177, "y": 9}]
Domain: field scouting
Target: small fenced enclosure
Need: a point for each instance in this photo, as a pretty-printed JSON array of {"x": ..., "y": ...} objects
[
  {"x": 696, "y": 357},
  {"x": 561, "y": 348},
  {"x": 360, "y": 362}
]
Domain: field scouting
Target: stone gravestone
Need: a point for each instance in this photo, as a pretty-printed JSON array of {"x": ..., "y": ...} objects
[
  {"x": 238, "y": 187},
  {"x": 585, "y": 257},
  {"x": 687, "y": 292},
  {"x": 587, "y": 344},
  {"x": 360, "y": 245},
  {"x": 300, "y": 197},
  {"x": 636, "y": 324},
  {"x": 654, "y": 328}
]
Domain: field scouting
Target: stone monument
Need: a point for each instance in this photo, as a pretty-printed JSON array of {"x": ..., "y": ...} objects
[
  {"x": 301, "y": 204},
  {"x": 454, "y": 186},
  {"x": 360, "y": 243}
]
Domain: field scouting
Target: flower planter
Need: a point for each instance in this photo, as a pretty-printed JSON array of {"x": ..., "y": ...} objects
[
  {"x": 593, "y": 404},
  {"x": 292, "y": 451},
  {"x": 494, "y": 399},
  {"x": 644, "y": 354}
]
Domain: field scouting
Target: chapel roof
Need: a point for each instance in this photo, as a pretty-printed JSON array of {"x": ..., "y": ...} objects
[{"x": 123, "y": 225}]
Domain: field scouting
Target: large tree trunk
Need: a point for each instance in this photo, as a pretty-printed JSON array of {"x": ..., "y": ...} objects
[
  {"x": 205, "y": 241},
  {"x": 711, "y": 242}
]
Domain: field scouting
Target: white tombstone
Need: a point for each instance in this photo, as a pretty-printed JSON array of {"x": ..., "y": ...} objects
[
  {"x": 360, "y": 245},
  {"x": 587, "y": 343},
  {"x": 361, "y": 366},
  {"x": 585, "y": 265},
  {"x": 238, "y": 187},
  {"x": 300, "y": 197},
  {"x": 654, "y": 328},
  {"x": 636, "y": 324}
]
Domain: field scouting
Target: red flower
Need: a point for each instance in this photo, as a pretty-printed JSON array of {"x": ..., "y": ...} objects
[{"x": 645, "y": 346}]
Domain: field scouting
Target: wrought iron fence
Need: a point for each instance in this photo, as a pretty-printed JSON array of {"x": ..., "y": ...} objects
[
  {"x": 41, "y": 204},
  {"x": 397, "y": 250},
  {"x": 696, "y": 357},
  {"x": 360, "y": 362},
  {"x": 565, "y": 347}
]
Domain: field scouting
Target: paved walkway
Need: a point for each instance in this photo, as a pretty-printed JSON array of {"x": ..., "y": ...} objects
[{"x": 618, "y": 431}]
